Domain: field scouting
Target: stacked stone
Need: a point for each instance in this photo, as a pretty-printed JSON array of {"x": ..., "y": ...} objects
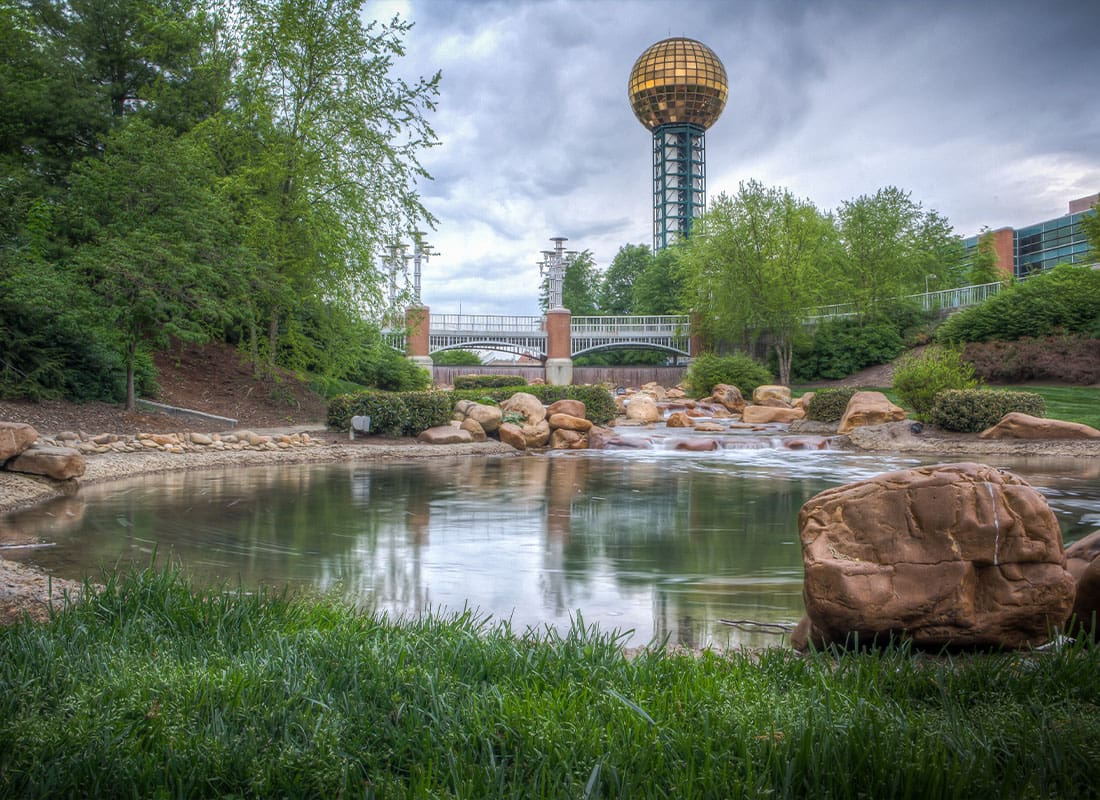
[
  {"x": 179, "y": 443},
  {"x": 559, "y": 426}
]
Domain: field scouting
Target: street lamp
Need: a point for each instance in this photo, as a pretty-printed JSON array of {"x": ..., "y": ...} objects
[
  {"x": 553, "y": 266},
  {"x": 421, "y": 251},
  {"x": 926, "y": 277}
]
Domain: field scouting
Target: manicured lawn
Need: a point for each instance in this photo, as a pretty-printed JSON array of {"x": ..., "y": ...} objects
[
  {"x": 148, "y": 689},
  {"x": 1069, "y": 403}
]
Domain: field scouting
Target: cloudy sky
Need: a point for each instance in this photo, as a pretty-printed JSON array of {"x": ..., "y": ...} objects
[{"x": 987, "y": 112}]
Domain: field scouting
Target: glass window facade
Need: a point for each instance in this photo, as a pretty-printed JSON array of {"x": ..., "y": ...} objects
[{"x": 1044, "y": 245}]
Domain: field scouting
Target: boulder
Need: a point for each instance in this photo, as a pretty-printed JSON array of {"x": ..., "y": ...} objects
[
  {"x": 869, "y": 408},
  {"x": 565, "y": 439},
  {"x": 574, "y": 408},
  {"x": 512, "y": 434},
  {"x": 772, "y": 395},
  {"x": 527, "y": 405},
  {"x": 803, "y": 402},
  {"x": 1083, "y": 563},
  {"x": 477, "y": 433},
  {"x": 444, "y": 434},
  {"x": 643, "y": 408},
  {"x": 949, "y": 555},
  {"x": 655, "y": 390},
  {"x": 488, "y": 417},
  {"x": 15, "y": 437},
  {"x": 709, "y": 427},
  {"x": 678, "y": 419},
  {"x": 1017, "y": 425},
  {"x": 570, "y": 423},
  {"x": 696, "y": 445},
  {"x": 806, "y": 443},
  {"x": 536, "y": 435},
  {"x": 760, "y": 415},
  {"x": 728, "y": 396},
  {"x": 59, "y": 463}
]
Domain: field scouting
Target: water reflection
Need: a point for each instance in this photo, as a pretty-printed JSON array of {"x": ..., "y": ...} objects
[{"x": 661, "y": 542}]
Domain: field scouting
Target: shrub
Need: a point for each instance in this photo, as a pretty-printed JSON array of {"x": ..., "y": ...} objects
[
  {"x": 919, "y": 378},
  {"x": 392, "y": 413},
  {"x": 1069, "y": 359},
  {"x": 1067, "y": 298},
  {"x": 488, "y": 381},
  {"x": 386, "y": 369},
  {"x": 842, "y": 347},
  {"x": 828, "y": 405},
  {"x": 710, "y": 369},
  {"x": 457, "y": 358},
  {"x": 974, "y": 410}
]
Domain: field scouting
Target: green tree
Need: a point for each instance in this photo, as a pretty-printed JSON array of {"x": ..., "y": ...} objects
[
  {"x": 330, "y": 171},
  {"x": 457, "y": 358},
  {"x": 1090, "y": 224},
  {"x": 659, "y": 288},
  {"x": 755, "y": 263},
  {"x": 156, "y": 248},
  {"x": 617, "y": 291},
  {"x": 983, "y": 261},
  {"x": 890, "y": 244}
]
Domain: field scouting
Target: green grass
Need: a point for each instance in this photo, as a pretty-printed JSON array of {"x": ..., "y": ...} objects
[
  {"x": 1069, "y": 403},
  {"x": 148, "y": 689}
]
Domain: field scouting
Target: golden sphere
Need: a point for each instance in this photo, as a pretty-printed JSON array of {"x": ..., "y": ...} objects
[{"x": 678, "y": 81}]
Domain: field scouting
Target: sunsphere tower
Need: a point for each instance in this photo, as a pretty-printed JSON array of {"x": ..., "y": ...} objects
[{"x": 678, "y": 89}]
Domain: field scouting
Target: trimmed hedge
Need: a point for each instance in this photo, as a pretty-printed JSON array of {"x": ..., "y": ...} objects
[
  {"x": 709, "y": 369},
  {"x": 392, "y": 413},
  {"x": 974, "y": 410},
  {"x": 409, "y": 413},
  {"x": 828, "y": 405},
  {"x": 488, "y": 381}
]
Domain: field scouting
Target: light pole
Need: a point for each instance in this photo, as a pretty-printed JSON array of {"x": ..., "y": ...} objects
[
  {"x": 553, "y": 266},
  {"x": 421, "y": 252},
  {"x": 926, "y": 277}
]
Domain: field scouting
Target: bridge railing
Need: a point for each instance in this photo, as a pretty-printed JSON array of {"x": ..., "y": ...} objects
[
  {"x": 930, "y": 301},
  {"x": 486, "y": 323},
  {"x": 662, "y": 325}
]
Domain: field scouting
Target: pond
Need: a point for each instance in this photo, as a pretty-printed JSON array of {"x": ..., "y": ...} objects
[{"x": 665, "y": 544}]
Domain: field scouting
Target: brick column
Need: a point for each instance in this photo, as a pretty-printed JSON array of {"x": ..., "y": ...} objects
[
  {"x": 418, "y": 323},
  {"x": 559, "y": 347}
]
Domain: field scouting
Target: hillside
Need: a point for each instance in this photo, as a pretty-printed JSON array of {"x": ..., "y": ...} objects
[{"x": 212, "y": 378}]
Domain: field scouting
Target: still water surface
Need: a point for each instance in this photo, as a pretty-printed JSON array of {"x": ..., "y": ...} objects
[{"x": 662, "y": 543}]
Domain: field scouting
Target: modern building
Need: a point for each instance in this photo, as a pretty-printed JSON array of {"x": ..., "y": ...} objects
[
  {"x": 677, "y": 90},
  {"x": 1042, "y": 245}
]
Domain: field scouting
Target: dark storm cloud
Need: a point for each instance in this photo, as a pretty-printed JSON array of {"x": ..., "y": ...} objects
[{"x": 985, "y": 111}]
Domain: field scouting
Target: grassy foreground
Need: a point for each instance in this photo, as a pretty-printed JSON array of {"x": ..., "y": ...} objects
[{"x": 148, "y": 689}]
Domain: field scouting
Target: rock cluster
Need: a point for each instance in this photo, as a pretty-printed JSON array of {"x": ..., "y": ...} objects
[
  {"x": 652, "y": 403},
  {"x": 22, "y": 451},
  {"x": 949, "y": 555},
  {"x": 530, "y": 425}
]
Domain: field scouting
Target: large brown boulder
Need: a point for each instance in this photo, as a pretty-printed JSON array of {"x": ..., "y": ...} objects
[
  {"x": 59, "y": 463},
  {"x": 1083, "y": 563},
  {"x": 955, "y": 554},
  {"x": 759, "y": 415},
  {"x": 565, "y": 439},
  {"x": 574, "y": 408},
  {"x": 488, "y": 417},
  {"x": 678, "y": 419},
  {"x": 15, "y": 437},
  {"x": 512, "y": 434},
  {"x": 772, "y": 395},
  {"x": 527, "y": 405},
  {"x": 444, "y": 434},
  {"x": 1017, "y": 425},
  {"x": 570, "y": 423},
  {"x": 536, "y": 435},
  {"x": 643, "y": 408},
  {"x": 477, "y": 432},
  {"x": 869, "y": 408},
  {"x": 728, "y": 396}
]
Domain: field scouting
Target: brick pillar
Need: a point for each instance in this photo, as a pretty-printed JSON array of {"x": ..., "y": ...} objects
[
  {"x": 1005, "y": 252},
  {"x": 559, "y": 347},
  {"x": 418, "y": 322}
]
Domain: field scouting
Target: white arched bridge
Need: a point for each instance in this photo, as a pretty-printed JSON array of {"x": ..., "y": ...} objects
[
  {"x": 529, "y": 335},
  {"x": 558, "y": 337}
]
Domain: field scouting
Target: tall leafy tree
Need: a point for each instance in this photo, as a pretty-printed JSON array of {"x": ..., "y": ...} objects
[
  {"x": 890, "y": 243},
  {"x": 617, "y": 291},
  {"x": 333, "y": 174},
  {"x": 1090, "y": 223},
  {"x": 755, "y": 263},
  {"x": 155, "y": 246},
  {"x": 659, "y": 288},
  {"x": 983, "y": 261}
]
